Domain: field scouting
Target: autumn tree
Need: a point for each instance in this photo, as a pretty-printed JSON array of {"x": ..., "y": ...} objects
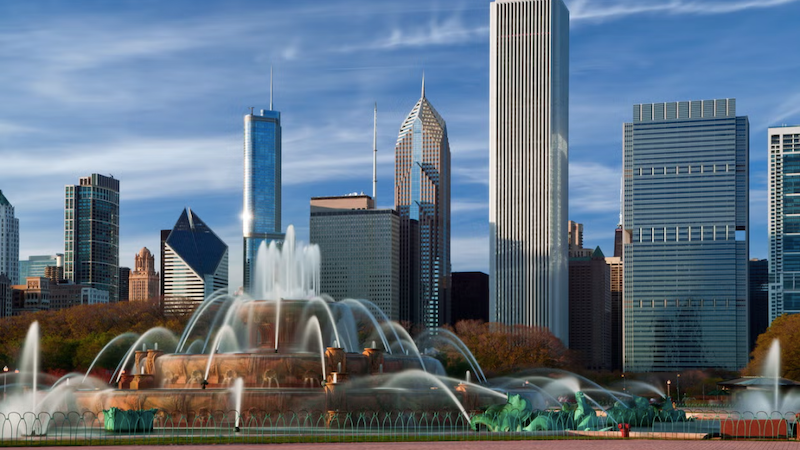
[
  {"x": 786, "y": 329},
  {"x": 72, "y": 337},
  {"x": 503, "y": 349}
]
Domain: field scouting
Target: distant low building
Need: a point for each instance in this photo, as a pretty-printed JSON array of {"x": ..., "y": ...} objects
[
  {"x": 32, "y": 296},
  {"x": 36, "y": 266}
]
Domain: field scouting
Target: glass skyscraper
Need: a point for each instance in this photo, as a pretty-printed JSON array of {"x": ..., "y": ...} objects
[
  {"x": 685, "y": 237},
  {"x": 262, "y": 185},
  {"x": 9, "y": 253},
  {"x": 422, "y": 198},
  {"x": 35, "y": 265},
  {"x": 528, "y": 164},
  {"x": 784, "y": 221},
  {"x": 91, "y": 233}
]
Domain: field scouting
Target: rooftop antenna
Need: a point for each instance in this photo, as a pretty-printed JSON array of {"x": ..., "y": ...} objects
[
  {"x": 270, "y": 88},
  {"x": 375, "y": 154},
  {"x": 423, "y": 84}
]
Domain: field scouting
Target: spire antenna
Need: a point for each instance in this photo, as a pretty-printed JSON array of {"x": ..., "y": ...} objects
[
  {"x": 375, "y": 155},
  {"x": 270, "y": 88},
  {"x": 423, "y": 84}
]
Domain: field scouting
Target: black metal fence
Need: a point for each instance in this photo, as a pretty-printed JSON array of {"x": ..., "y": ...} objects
[{"x": 75, "y": 428}]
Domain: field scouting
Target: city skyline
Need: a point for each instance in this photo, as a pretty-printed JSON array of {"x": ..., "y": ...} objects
[{"x": 122, "y": 125}]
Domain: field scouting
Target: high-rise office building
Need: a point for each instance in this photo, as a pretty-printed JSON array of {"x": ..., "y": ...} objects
[
  {"x": 784, "y": 220},
  {"x": 195, "y": 264},
  {"x": 36, "y": 265},
  {"x": 143, "y": 280},
  {"x": 262, "y": 185},
  {"x": 124, "y": 284},
  {"x": 360, "y": 249},
  {"x": 617, "y": 271},
  {"x": 575, "y": 234},
  {"x": 6, "y": 293},
  {"x": 471, "y": 292},
  {"x": 422, "y": 194},
  {"x": 528, "y": 158},
  {"x": 590, "y": 310},
  {"x": 91, "y": 233},
  {"x": 685, "y": 238},
  {"x": 9, "y": 240},
  {"x": 759, "y": 299}
]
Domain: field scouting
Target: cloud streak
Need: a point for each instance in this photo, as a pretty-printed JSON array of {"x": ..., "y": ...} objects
[{"x": 596, "y": 11}]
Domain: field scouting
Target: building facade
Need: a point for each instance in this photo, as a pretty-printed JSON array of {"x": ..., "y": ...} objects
[
  {"x": 360, "y": 249},
  {"x": 262, "y": 185},
  {"x": 784, "y": 220},
  {"x": 144, "y": 280},
  {"x": 471, "y": 294},
  {"x": 91, "y": 233},
  {"x": 422, "y": 194},
  {"x": 528, "y": 163},
  {"x": 124, "y": 284},
  {"x": 685, "y": 238},
  {"x": 590, "y": 310},
  {"x": 35, "y": 266},
  {"x": 6, "y": 293},
  {"x": 759, "y": 299},
  {"x": 32, "y": 296},
  {"x": 9, "y": 240},
  {"x": 195, "y": 264},
  {"x": 617, "y": 271},
  {"x": 67, "y": 295}
]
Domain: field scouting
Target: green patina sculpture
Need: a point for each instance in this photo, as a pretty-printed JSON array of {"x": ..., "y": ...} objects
[
  {"x": 121, "y": 420},
  {"x": 518, "y": 415}
]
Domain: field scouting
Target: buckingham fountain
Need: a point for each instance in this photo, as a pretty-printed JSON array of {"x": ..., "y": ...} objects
[{"x": 243, "y": 360}]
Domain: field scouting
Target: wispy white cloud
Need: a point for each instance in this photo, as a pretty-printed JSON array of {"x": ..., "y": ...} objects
[
  {"x": 460, "y": 206},
  {"x": 449, "y": 31},
  {"x": 593, "y": 188},
  {"x": 469, "y": 253},
  {"x": 600, "y": 11}
]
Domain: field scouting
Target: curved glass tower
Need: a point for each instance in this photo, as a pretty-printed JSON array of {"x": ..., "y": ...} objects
[{"x": 262, "y": 185}]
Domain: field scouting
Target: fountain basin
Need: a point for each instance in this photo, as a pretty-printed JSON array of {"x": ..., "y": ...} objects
[{"x": 754, "y": 428}]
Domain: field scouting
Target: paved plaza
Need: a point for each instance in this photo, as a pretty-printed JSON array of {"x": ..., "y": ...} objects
[{"x": 628, "y": 444}]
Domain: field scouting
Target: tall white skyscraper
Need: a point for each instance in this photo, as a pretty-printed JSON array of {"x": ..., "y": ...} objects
[
  {"x": 528, "y": 157},
  {"x": 784, "y": 223}
]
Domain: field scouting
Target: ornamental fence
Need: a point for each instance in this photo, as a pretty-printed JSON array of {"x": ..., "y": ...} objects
[{"x": 162, "y": 428}]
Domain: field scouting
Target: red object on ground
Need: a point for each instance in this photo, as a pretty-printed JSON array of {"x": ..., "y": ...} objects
[
  {"x": 625, "y": 429},
  {"x": 754, "y": 428}
]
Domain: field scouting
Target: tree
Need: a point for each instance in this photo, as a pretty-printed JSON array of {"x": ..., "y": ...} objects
[
  {"x": 502, "y": 349},
  {"x": 786, "y": 329}
]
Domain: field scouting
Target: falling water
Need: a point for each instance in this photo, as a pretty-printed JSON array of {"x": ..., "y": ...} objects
[
  {"x": 225, "y": 332},
  {"x": 30, "y": 360}
]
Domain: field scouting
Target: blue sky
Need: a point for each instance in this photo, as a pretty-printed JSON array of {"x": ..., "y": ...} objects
[{"x": 154, "y": 93}]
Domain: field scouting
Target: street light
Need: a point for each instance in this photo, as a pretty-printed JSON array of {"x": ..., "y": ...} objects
[
  {"x": 668, "y": 383},
  {"x": 678, "y": 387},
  {"x": 5, "y": 372},
  {"x": 624, "y": 383}
]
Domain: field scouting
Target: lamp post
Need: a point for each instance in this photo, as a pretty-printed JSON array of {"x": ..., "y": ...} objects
[
  {"x": 668, "y": 383},
  {"x": 5, "y": 375},
  {"x": 624, "y": 383},
  {"x": 678, "y": 387}
]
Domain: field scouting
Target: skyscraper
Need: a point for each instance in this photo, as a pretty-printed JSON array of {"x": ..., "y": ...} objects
[
  {"x": 590, "y": 310},
  {"x": 9, "y": 241},
  {"x": 685, "y": 236},
  {"x": 124, "y": 284},
  {"x": 91, "y": 233},
  {"x": 422, "y": 194},
  {"x": 784, "y": 224},
  {"x": 262, "y": 184},
  {"x": 528, "y": 157},
  {"x": 360, "y": 248},
  {"x": 195, "y": 264},
  {"x": 143, "y": 280}
]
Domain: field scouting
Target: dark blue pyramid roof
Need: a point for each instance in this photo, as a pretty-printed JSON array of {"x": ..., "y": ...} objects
[{"x": 196, "y": 244}]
